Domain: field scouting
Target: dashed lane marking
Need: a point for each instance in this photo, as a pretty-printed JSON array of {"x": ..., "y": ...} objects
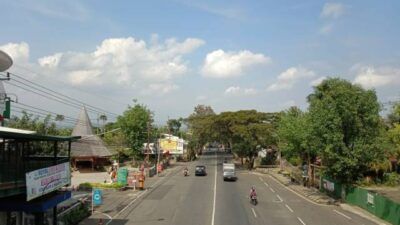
[
  {"x": 342, "y": 214},
  {"x": 261, "y": 179},
  {"x": 290, "y": 209},
  {"x": 301, "y": 221},
  {"x": 254, "y": 212},
  {"x": 272, "y": 190},
  {"x": 279, "y": 198},
  {"x": 266, "y": 184}
]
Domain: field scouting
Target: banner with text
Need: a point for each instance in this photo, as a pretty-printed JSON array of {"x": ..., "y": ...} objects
[{"x": 42, "y": 181}]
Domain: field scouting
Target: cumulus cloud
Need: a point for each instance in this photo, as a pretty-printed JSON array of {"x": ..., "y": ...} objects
[
  {"x": 238, "y": 91},
  {"x": 221, "y": 64},
  {"x": 326, "y": 29},
  {"x": 159, "y": 89},
  {"x": 370, "y": 77},
  {"x": 19, "y": 52},
  {"x": 317, "y": 81},
  {"x": 288, "y": 78},
  {"x": 332, "y": 10},
  {"x": 125, "y": 62}
]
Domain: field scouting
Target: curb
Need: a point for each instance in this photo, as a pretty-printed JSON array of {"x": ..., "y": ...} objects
[
  {"x": 363, "y": 213},
  {"x": 302, "y": 194}
]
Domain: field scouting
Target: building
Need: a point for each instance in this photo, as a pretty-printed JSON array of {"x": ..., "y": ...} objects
[
  {"x": 90, "y": 150},
  {"x": 32, "y": 170}
]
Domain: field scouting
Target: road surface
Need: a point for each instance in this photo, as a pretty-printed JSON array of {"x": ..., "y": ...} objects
[{"x": 208, "y": 200}]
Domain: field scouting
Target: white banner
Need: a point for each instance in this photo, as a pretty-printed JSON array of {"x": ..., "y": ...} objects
[{"x": 42, "y": 181}]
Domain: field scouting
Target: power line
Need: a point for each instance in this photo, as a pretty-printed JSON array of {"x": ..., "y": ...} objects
[
  {"x": 41, "y": 116},
  {"x": 53, "y": 97},
  {"x": 72, "y": 87},
  {"x": 63, "y": 95},
  {"x": 72, "y": 121}
]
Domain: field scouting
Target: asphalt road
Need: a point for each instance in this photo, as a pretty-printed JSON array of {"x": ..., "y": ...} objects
[{"x": 208, "y": 200}]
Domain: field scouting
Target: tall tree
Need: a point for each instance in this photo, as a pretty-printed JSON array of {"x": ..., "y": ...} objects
[
  {"x": 345, "y": 128},
  {"x": 134, "y": 123},
  {"x": 174, "y": 126}
]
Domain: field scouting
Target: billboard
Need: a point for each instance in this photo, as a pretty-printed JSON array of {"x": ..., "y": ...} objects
[
  {"x": 42, "y": 181},
  {"x": 173, "y": 145}
]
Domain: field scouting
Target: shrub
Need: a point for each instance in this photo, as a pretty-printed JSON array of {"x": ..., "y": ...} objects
[
  {"x": 88, "y": 185},
  {"x": 391, "y": 179}
]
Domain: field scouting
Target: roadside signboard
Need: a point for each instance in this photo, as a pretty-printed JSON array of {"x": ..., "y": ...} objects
[
  {"x": 172, "y": 145},
  {"x": 370, "y": 198},
  {"x": 328, "y": 185},
  {"x": 42, "y": 181},
  {"x": 97, "y": 197}
]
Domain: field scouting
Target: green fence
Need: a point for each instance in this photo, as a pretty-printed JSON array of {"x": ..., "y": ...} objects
[{"x": 376, "y": 204}]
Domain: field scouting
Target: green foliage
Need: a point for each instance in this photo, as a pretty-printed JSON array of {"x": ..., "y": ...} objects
[
  {"x": 76, "y": 215},
  {"x": 41, "y": 126},
  {"x": 391, "y": 179},
  {"x": 135, "y": 123},
  {"x": 174, "y": 126},
  {"x": 345, "y": 128},
  {"x": 294, "y": 132},
  {"x": 88, "y": 185}
]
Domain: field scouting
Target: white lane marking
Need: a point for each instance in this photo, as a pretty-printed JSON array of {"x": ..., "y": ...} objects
[
  {"x": 138, "y": 196},
  {"x": 301, "y": 221},
  {"x": 301, "y": 196},
  {"x": 260, "y": 179},
  {"x": 342, "y": 214},
  {"x": 254, "y": 212},
  {"x": 290, "y": 209},
  {"x": 272, "y": 190},
  {"x": 215, "y": 191},
  {"x": 105, "y": 214},
  {"x": 266, "y": 184},
  {"x": 279, "y": 198}
]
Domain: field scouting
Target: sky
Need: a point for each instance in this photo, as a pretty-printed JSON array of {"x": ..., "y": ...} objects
[{"x": 172, "y": 55}]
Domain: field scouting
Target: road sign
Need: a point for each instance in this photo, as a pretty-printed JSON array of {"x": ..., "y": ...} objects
[{"x": 97, "y": 197}]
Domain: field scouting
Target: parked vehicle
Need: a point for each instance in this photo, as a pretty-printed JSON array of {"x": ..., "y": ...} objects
[
  {"x": 229, "y": 171},
  {"x": 200, "y": 171}
]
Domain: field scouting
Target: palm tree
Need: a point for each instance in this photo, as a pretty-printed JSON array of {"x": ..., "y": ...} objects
[
  {"x": 59, "y": 118},
  {"x": 103, "y": 118}
]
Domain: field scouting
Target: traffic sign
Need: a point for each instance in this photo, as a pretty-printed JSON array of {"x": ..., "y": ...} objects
[{"x": 97, "y": 197}]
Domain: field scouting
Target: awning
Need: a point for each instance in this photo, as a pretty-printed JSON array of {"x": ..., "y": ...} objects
[{"x": 42, "y": 204}]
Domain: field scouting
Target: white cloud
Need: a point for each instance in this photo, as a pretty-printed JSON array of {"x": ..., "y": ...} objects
[
  {"x": 332, "y": 10},
  {"x": 288, "y": 78},
  {"x": 238, "y": 91},
  {"x": 125, "y": 62},
  {"x": 221, "y": 64},
  {"x": 370, "y": 77},
  {"x": 159, "y": 89},
  {"x": 19, "y": 52},
  {"x": 50, "y": 61},
  {"x": 317, "y": 81},
  {"x": 326, "y": 29}
]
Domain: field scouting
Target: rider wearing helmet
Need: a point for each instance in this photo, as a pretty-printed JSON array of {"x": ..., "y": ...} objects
[{"x": 253, "y": 192}]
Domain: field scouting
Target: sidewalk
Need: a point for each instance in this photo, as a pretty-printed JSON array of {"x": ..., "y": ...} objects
[
  {"x": 311, "y": 193},
  {"x": 114, "y": 200}
]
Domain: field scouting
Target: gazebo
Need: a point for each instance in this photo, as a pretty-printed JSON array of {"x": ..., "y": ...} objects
[{"x": 90, "y": 149}]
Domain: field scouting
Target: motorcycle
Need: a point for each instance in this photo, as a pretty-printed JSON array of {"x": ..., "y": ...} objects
[
  {"x": 185, "y": 173},
  {"x": 254, "y": 200}
]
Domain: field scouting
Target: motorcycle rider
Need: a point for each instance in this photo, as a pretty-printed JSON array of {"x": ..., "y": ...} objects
[
  {"x": 185, "y": 171},
  {"x": 253, "y": 192}
]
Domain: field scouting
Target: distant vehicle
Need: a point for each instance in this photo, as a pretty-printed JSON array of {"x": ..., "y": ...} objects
[
  {"x": 229, "y": 171},
  {"x": 200, "y": 171}
]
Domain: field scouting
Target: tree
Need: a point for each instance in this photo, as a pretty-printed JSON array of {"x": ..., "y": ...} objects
[
  {"x": 294, "y": 134},
  {"x": 174, "y": 126},
  {"x": 134, "y": 123},
  {"x": 199, "y": 124},
  {"x": 345, "y": 128},
  {"x": 30, "y": 122},
  {"x": 103, "y": 118}
]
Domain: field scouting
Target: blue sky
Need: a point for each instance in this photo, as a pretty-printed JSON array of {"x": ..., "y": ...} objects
[{"x": 173, "y": 55}]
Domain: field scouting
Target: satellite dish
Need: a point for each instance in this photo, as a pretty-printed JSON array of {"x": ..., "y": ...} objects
[{"x": 5, "y": 61}]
